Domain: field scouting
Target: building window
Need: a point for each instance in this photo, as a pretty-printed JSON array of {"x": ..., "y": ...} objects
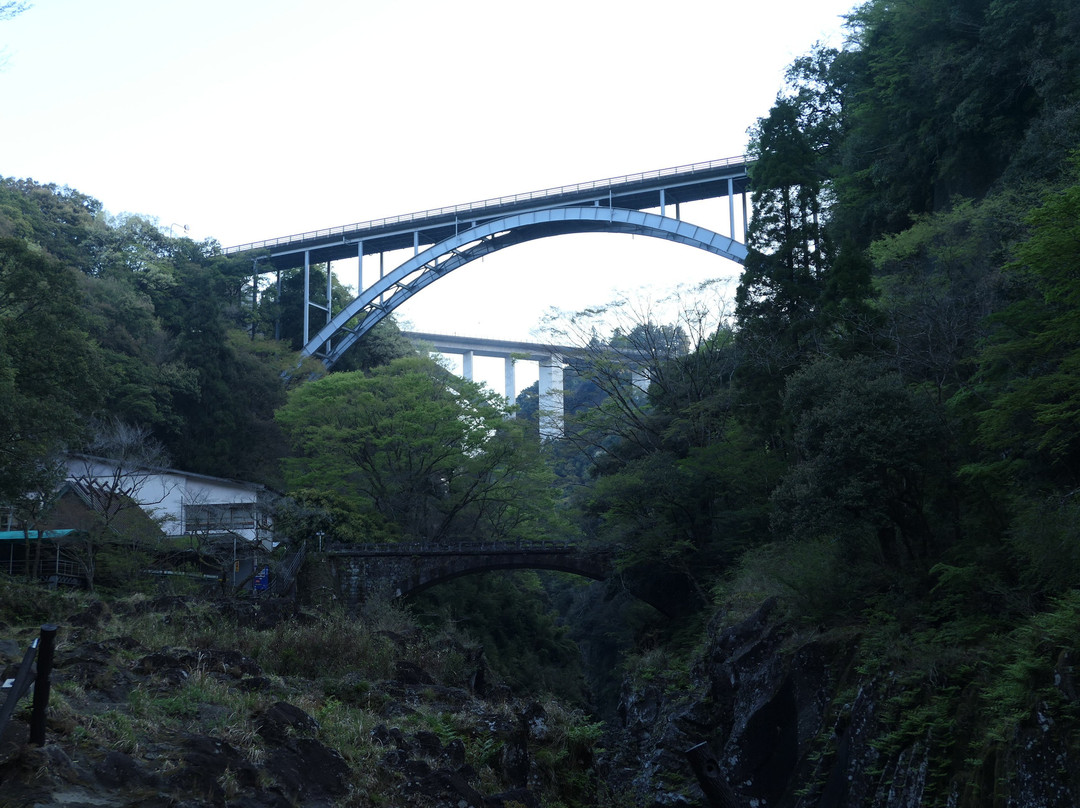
[{"x": 219, "y": 517}]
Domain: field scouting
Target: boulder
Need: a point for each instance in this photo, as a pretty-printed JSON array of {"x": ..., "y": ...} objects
[
  {"x": 308, "y": 770},
  {"x": 282, "y": 720}
]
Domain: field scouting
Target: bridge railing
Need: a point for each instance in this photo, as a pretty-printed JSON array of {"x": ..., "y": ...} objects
[
  {"x": 457, "y": 548},
  {"x": 499, "y": 201},
  {"x": 47, "y": 567}
]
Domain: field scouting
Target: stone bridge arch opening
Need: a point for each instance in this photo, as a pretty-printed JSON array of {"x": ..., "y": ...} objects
[
  {"x": 400, "y": 571},
  {"x": 406, "y": 588}
]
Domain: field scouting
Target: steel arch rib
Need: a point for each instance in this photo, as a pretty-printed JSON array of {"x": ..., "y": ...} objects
[{"x": 425, "y": 267}]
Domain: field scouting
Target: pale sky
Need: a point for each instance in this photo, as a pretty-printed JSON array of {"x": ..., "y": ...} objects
[{"x": 252, "y": 119}]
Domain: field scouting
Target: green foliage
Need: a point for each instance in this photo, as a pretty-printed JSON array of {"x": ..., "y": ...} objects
[
  {"x": 944, "y": 99},
  {"x": 48, "y": 367},
  {"x": 565, "y": 760},
  {"x": 910, "y": 386},
  {"x": 331, "y": 646},
  {"x": 961, "y": 684},
  {"x": 868, "y": 463},
  {"x": 227, "y": 413},
  {"x": 510, "y": 617},
  {"x": 679, "y": 519},
  {"x": 938, "y": 280},
  {"x": 60, "y": 222},
  {"x": 280, "y": 317},
  {"x": 310, "y": 512},
  {"x": 790, "y": 302},
  {"x": 1035, "y": 672},
  {"x": 1044, "y": 545},
  {"x": 816, "y": 580},
  {"x": 281, "y": 306},
  {"x": 155, "y": 316},
  {"x": 119, "y": 568},
  {"x": 340, "y": 669},
  {"x": 1032, "y": 363},
  {"x": 484, "y": 752},
  {"x": 782, "y": 278},
  {"x": 413, "y": 447},
  {"x": 22, "y": 603},
  {"x": 679, "y": 486}
]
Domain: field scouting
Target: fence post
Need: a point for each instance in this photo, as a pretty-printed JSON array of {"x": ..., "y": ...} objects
[
  {"x": 20, "y": 685},
  {"x": 41, "y": 684}
]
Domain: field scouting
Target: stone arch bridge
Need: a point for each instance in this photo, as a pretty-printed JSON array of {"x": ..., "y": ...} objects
[{"x": 400, "y": 570}]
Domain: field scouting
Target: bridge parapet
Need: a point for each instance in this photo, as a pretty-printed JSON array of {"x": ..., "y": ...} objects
[
  {"x": 398, "y": 570},
  {"x": 645, "y": 189},
  {"x": 458, "y": 548}
]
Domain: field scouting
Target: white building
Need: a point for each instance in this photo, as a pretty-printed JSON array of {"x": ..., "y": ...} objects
[{"x": 181, "y": 502}]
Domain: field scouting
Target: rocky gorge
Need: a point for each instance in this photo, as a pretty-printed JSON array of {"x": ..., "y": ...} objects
[
  {"x": 795, "y": 722},
  {"x": 387, "y": 718},
  {"x": 270, "y": 703}
]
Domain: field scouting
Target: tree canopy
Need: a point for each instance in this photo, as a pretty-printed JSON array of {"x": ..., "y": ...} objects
[
  {"x": 48, "y": 367},
  {"x": 424, "y": 455}
]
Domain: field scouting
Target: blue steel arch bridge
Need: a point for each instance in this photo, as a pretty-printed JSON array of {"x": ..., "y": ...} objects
[{"x": 441, "y": 240}]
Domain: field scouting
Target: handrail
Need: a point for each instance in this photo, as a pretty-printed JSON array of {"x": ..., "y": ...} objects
[
  {"x": 22, "y": 566},
  {"x": 458, "y": 548},
  {"x": 472, "y": 207},
  {"x": 286, "y": 573}
]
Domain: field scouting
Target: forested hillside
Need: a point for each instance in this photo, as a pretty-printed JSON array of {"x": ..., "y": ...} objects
[
  {"x": 115, "y": 318},
  {"x": 898, "y": 386},
  {"x": 889, "y": 437},
  {"x": 882, "y": 442}
]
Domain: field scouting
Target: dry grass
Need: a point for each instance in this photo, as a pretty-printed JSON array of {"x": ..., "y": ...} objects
[{"x": 332, "y": 665}]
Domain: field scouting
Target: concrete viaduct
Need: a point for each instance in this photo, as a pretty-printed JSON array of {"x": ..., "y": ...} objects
[{"x": 549, "y": 357}]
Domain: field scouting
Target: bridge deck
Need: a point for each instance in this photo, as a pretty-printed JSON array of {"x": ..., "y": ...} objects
[
  {"x": 489, "y": 548},
  {"x": 497, "y": 348},
  {"x": 642, "y": 191}
]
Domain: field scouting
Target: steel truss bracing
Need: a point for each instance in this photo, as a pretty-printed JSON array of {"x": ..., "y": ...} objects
[{"x": 426, "y": 267}]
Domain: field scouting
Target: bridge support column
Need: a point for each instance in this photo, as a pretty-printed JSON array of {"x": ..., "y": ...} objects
[
  {"x": 329, "y": 293},
  {"x": 731, "y": 206},
  {"x": 277, "y": 317},
  {"x": 509, "y": 379},
  {"x": 551, "y": 397},
  {"x": 254, "y": 295},
  {"x": 307, "y": 296},
  {"x": 640, "y": 380},
  {"x": 467, "y": 365}
]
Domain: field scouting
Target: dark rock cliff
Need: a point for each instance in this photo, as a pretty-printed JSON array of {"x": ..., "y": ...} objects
[{"x": 793, "y": 724}]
